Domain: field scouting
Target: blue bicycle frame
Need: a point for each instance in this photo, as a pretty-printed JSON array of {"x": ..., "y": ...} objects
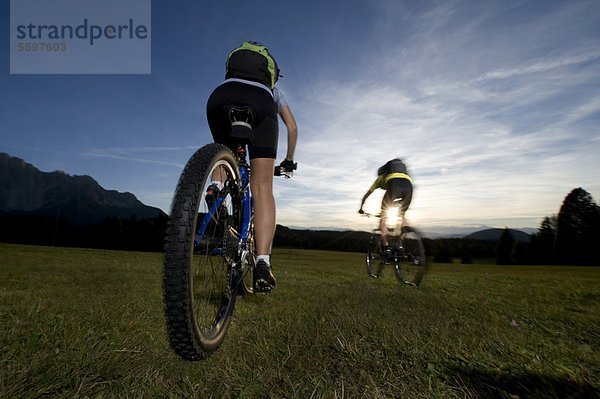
[{"x": 246, "y": 201}]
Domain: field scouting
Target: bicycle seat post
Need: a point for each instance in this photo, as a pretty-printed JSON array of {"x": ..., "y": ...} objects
[{"x": 240, "y": 153}]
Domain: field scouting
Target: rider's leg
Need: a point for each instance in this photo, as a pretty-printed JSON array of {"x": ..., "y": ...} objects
[
  {"x": 385, "y": 233},
  {"x": 261, "y": 184},
  {"x": 264, "y": 220},
  {"x": 218, "y": 176}
]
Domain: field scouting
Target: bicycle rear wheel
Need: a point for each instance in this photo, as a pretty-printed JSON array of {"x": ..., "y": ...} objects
[
  {"x": 374, "y": 258},
  {"x": 411, "y": 264},
  {"x": 199, "y": 280}
]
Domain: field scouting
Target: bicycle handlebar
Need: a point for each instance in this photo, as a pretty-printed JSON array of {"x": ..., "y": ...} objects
[
  {"x": 286, "y": 171},
  {"x": 279, "y": 171},
  {"x": 371, "y": 215}
]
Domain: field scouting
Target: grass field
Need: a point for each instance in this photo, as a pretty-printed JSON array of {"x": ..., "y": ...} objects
[{"x": 89, "y": 323}]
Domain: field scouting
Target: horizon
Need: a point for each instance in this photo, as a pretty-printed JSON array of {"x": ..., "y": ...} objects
[
  {"x": 432, "y": 231},
  {"x": 493, "y": 107}
]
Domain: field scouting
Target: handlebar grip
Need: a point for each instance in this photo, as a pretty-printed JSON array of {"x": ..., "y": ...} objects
[
  {"x": 288, "y": 165},
  {"x": 285, "y": 168},
  {"x": 279, "y": 171}
]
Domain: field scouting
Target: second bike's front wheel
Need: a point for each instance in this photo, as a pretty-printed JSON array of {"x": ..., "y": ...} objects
[
  {"x": 199, "y": 276},
  {"x": 411, "y": 264}
]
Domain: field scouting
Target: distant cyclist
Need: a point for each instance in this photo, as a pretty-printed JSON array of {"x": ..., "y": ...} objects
[
  {"x": 394, "y": 179},
  {"x": 251, "y": 73}
]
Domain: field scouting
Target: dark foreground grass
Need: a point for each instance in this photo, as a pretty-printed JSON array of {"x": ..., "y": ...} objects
[{"x": 89, "y": 323}]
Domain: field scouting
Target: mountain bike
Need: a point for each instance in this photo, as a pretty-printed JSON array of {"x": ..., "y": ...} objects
[
  {"x": 405, "y": 252},
  {"x": 209, "y": 252}
]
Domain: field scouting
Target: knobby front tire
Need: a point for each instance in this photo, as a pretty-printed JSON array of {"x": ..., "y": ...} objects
[
  {"x": 411, "y": 265},
  {"x": 198, "y": 278}
]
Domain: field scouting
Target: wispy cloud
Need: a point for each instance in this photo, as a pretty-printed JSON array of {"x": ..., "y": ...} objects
[
  {"x": 132, "y": 154},
  {"x": 539, "y": 67}
]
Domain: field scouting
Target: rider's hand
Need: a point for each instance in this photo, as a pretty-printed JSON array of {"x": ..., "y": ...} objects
[{"x": 288, "y": 165}]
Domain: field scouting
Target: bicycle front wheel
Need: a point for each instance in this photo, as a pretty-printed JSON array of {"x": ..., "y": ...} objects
[
  {"x": 411, "y": 264},
  {"x": 199, "y": 280}
]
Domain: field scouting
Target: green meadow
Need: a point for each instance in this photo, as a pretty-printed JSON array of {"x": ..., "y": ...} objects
[{"x": 78, "y": 323}]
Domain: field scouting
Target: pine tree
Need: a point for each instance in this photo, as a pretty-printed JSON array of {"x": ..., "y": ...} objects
[
  {"x": 578, "y": 231},
  {"x": 506, "y": 248},
  {"x": 442, "y": 254},
  {"x": 542, "y": 244}
]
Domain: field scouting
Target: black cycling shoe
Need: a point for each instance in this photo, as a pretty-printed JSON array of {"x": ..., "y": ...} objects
[
  {"x": 212, "y": 192},
  {"x": 264, "y": 281}
]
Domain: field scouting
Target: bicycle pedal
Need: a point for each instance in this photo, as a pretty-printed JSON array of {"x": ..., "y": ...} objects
[{"x": 263, "y": 287}]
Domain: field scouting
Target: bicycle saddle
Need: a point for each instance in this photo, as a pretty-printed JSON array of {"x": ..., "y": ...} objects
[{"x": 241, "y": 118}]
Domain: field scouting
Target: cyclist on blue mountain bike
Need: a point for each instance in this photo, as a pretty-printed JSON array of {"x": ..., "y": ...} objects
[
  {"x": 251, "y": 73},
  {"x": 393, "y": 178}
]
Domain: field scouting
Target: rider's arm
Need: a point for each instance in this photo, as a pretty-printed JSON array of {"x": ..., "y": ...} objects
[
  {"x": 292, "y": 131},
  {"x": 283, "y": 108},
  {"x": 375, "y": 185},
  {"x": 364, "y": 198}
]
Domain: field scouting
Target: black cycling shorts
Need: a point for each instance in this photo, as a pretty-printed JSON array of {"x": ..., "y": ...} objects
[
  {"x": 399, "y": 191},
  {"x": 265, "y": 125}
]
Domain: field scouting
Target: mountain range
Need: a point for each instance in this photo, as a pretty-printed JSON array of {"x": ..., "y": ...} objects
[
  {"x": 434, "y": 232},
  {"x": 495, "y": 234},
  {"x": 80, "y": 200}
]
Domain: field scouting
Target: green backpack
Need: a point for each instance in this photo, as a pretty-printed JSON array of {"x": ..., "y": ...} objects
[{"x": 252, "y": 61}]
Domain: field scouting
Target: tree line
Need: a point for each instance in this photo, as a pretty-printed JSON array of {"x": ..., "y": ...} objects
[
  {"x": 128, "y": 234},
  {"x": 570, "y": 237}
]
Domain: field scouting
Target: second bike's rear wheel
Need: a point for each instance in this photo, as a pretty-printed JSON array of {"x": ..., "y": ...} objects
[
  {"x": 411, "y": 265},
  {"x": 374, "y": 258},
  {"x": 199, "y": 273}
]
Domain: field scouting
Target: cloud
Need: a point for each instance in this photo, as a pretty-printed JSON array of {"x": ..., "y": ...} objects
[
  {"x": 494, "y": 107},
  {"x": 131, "y": 154},
  {"x": 539, "y": 67},
  {"x": 496, "y": 141}
]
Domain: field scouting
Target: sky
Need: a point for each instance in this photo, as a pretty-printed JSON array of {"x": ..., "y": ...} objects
[{"x": 494, "y": 105}]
